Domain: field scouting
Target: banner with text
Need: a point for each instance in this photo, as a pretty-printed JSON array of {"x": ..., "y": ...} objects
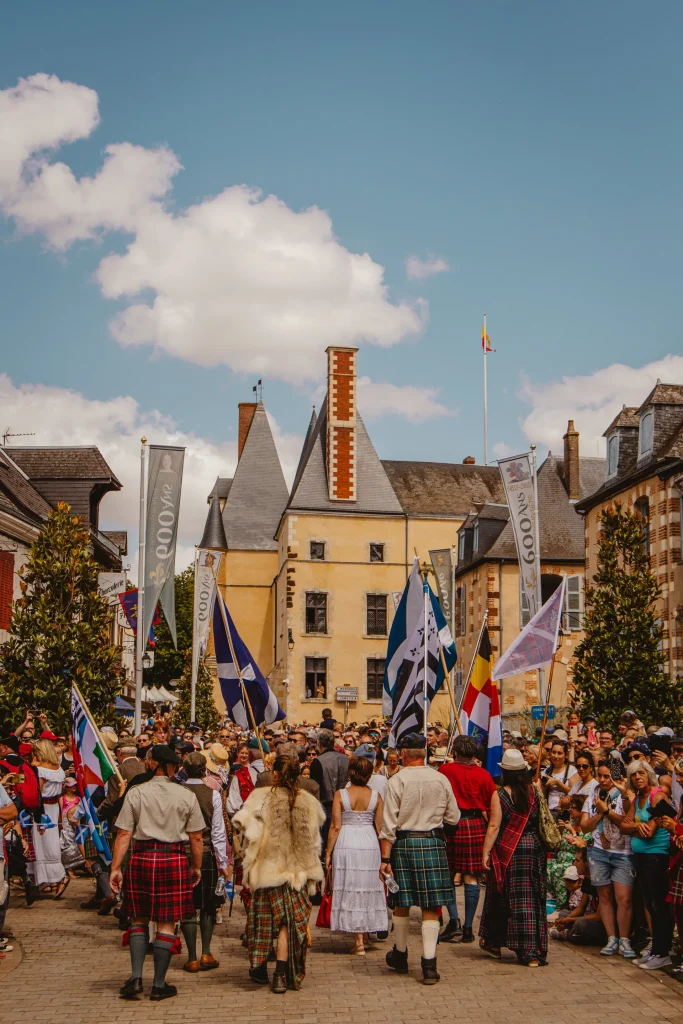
[
  {"x": 164, "y": 481},
  {"x": 206, "y": 571},
  {"x": 517, "y": 474},
  {"x": 442, "y": 564}
]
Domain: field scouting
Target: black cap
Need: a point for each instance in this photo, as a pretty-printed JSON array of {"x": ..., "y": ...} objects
[
  {"x": 184, "y": 747},
  {"x": 163, "y": 754},
  {"x": 10, "y": 741},
  {"x": 412, "y": 741}
]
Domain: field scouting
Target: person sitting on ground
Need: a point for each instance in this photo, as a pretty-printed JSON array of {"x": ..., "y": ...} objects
[{"x": 581, "y": 924}]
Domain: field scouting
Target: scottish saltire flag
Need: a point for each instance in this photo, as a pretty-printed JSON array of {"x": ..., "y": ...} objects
[
  {"x": 536, "y": 644},
  {"x": 408, "y": 695},
  {"x": 93, "y": 770},
  {"x": 264, "y": 703},
  {"x": 480, "y": 712},
  {"x": 409, "y": 610}
]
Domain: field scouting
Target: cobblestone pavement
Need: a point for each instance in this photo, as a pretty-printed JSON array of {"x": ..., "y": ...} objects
[{"x": 73, "y": 964}]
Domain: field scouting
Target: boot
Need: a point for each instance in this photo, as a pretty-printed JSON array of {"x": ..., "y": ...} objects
[
  {"x": 131, "y": 989},
  {"x": 107, "y": 904},
  {"x": 397, "y": 960},
  {"x": 452, "y": 931},
  {"x": 259, "y": 974},
  {"x": 430, "y": 975},
  {"x": 94, "y": 903},
  {"x": 279, "y": 984},
  {"x": 467, "y": 935}
]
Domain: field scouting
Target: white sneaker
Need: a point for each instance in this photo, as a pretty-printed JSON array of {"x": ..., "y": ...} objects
[
  {"x": 655, "y": 963},
  {"x": 645, "y": 954}
]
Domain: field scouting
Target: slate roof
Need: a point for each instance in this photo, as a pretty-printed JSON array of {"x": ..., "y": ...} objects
[
  {"x": 258, "y": 494},
  {"x": 221, "y": 487},
  {"x": 119, "y": 538},
  {"x": 443, "y": 488},
  {"x": 58, "y": 463},
  {"x": 626, "y": 417},
  {"x": 374, "y": 493},
  {"x": 17, "y": 495},
  {"x": 664, "y": 394}
]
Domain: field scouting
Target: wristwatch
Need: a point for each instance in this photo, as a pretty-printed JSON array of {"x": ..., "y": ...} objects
[{"x": 386, "y": 860}]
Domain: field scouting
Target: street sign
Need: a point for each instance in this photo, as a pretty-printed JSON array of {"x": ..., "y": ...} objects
[
  {"x": 347, "y": 693},
  {"x": 538, "y": 710}
]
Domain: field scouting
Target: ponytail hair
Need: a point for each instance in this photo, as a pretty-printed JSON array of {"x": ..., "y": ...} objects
[{"x": 289, "y": 771}]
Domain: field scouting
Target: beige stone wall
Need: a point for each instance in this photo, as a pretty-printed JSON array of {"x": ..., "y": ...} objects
[{"x": 665, "y": 556}]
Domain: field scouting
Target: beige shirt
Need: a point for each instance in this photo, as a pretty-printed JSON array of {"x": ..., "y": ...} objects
[
  {"x": 161, "y": 809},
  {"x": 417, "y": 799}
]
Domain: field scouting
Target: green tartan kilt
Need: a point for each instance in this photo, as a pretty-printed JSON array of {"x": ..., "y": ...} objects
[{"x": 420, "y": 867}]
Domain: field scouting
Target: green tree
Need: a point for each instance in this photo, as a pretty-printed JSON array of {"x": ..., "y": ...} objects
[
  {"x": 206, "y": 712},
  {"x": 619, "y": 663},
  {"x": 169, "y": 662},
  {"x": 60, "y": 631}
]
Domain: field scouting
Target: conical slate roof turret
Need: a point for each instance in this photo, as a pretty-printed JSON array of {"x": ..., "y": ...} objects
[{"x": 214, "y": 538}]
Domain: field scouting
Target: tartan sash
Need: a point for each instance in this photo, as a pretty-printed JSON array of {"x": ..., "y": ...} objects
[{"x": 503, "y": 851}]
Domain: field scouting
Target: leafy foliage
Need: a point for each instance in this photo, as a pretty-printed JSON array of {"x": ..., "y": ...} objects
[
  {"x": 60, "y": 631},
  {"x": 206, "y": 712},
  {"x": 169, "y": 663},
  {"x": 619, "y": 663}
]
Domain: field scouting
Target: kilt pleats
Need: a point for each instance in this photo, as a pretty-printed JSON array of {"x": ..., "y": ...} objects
[
  {"x": 420, "y": 867},
  {"x": 158, "y": 883}
]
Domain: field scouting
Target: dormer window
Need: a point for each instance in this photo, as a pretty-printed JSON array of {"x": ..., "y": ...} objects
[
  {"x": 612, "y": 455},
  {"x": 461, "y": 546},
  {"x": 475, "y": 538},
  {"x": 646, "y": 435}
]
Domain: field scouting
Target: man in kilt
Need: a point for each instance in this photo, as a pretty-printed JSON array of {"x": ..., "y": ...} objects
[
  {"x": 214, "y": 860},
  {"x": 473, "y": 789},
  {"x": 417, "y": 802},
  {"x": 160, "y": 817}
]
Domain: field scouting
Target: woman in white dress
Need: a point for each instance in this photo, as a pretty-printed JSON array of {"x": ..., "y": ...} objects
[
  {"x": 47, "y": 869},
  {"x": 358, "y": 900}
]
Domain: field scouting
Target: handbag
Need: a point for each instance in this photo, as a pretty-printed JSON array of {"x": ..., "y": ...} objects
[
  {"x": 324, "y": 918},
  {"x": 548, "y": 831}
]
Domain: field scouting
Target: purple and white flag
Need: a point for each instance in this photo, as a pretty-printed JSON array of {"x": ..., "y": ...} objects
[{"x": 536, "y": 644}]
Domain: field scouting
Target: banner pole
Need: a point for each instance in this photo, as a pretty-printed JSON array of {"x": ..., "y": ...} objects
[
  {"x": 474, "y": 656},
  {"x": 140, "y": 639},
  {"x": 539, "y": 594},
  {"x": 486, "y": 424},
  {"x": 425, "y": 637},
  {"x": 93, "y": 723},
  {"x": 195, "y": 659},
  {"x": 545, "y": 718},
  {"x": 447, "y": 681}
]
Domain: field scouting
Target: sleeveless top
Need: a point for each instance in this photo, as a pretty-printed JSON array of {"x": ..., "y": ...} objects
[
  {"x": 205, "y": 800},
  {"x": 357, "y": 819}
]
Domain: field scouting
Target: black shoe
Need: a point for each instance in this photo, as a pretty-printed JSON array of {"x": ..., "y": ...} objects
[
  {"x": 430, "y": 975},
  {"x": 131, "y": 989},
  {"x": 259, "y": 974},
  {"x": 397, "y": 961},
  {"x": 279, "y": 984},
  {"x": 165, "y": 992},
  {"x": 467, "y": 935},
  {"x": 31, "y": 893},
  {"x": 382, "y": 936},
  {"x": 92, "y": 904},
  {"x": 106, "y": 906},
  {"x": 453, "y": 930}
]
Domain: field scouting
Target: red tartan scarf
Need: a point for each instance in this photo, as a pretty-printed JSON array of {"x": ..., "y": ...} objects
[
  {"x": 244, "y": 781},
  {"x": 507, "y": 842}
]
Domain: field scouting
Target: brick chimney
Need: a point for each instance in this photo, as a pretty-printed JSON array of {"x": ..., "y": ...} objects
[
  {"x": 341, "y": 423},
  {"x": 246, "y": 414},
  {"x": 571, "y": 462},
  {"x": 469, "y": 460}
]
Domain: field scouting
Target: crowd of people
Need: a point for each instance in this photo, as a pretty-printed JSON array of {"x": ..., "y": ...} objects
[{"x": 579, "y": 838}]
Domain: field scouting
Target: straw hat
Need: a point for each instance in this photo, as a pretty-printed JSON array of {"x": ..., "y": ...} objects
[
  {"x": 216, "y": 757},
  {"x": 109, "y": 738}
]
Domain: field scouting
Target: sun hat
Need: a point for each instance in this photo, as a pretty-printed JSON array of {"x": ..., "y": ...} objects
[
  {"x": 571, "y": 874},
  {"x": 513, "y": 760},
  {"x": 218, "y": 753},
  {"x": 109, "y": 738},
  {"x": 70, "y": 782}
]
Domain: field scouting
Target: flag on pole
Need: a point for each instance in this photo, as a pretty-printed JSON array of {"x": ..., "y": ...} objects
[
  {"x": 409, "y": 609},
  {"x": 480, "y": 714},
  {"x": 536, "y": 644},
  {"x": 93, "y": 769},
  {"x": 485, "y": 340},
  {"x": 264, "y": 703},
  {"x": 129, "y": 606},
  {"x": 408, "y": 696}
]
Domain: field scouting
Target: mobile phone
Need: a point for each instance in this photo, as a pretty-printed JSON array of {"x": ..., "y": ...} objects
[
  {"x": 573, "y": 732},
  {"x": 662, "y": 743},
  {"x": 603, "y": 793},
  {"x": 616, "y": 768}
]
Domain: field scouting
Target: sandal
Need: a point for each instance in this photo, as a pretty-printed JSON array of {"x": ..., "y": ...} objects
[{"x": 61, "y": 889}]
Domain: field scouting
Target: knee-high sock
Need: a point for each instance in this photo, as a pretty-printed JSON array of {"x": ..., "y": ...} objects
[
  {"x": 430, "y": 935},
  {"x": 207, "y": 921},
  {"x": 189, "y": 930},
  {"x": 401, "y": 926},
  {"x": 452, "y": 909},
  {"x": 471, "y": 901},
  {"x": 137, "y": 944},
  {"x": 162, "y": 958}
]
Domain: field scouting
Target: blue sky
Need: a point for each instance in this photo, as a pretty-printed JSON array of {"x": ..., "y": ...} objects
[{"x": 536, "y": 148}]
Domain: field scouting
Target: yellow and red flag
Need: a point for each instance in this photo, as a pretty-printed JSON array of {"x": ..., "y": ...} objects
[{"x": 485, "y": 340}]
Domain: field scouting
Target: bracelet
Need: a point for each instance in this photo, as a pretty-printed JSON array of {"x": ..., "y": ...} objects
[{"x": 386, "y": 860}]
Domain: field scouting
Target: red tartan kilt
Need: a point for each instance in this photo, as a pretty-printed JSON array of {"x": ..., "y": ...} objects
[
  {"x": 465, "y": 849},
  {"x": 158, "y": 883}
]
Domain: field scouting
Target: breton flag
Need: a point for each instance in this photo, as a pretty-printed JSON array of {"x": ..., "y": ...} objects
[
  {"x": 409, "y": 610},
  {"x": 485, "y": 340},
  {"x": 536, "y": 644},
  {"x": 408, "y": 696},
  {"x": 93, "y": 769},
  {"x": 480, "y": 714},
  {"x": 264, "y": 703}
]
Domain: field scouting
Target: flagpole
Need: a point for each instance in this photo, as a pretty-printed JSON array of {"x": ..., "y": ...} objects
[
  {"x": 93, "y": 723},
  {"x": 425, "y": 638},
  {"x": 486, "y": 424},
  {"x": 539, "y": 594},
  {"x": 447, "y": 681},
  {"x": 195, "y": 666},
  {"x": 474, "y": 658},
  {"x": 545, "y": 717},
  {"x": 140, "y": 639}
]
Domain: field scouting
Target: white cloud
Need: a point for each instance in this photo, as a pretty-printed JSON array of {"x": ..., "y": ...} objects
[
  {"x": 61, "y": 417},
  {"x": 501, "y": 450},
  {"x": 377, "y": 398},
  {"x": 239, "y": 279},
  {"x": 591, "y": 400},
  {"x": 418, "y": 269}
]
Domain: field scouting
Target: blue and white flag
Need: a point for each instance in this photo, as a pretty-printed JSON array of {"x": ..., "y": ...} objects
[
  {"x": 408, "y": 713},
  {"x": 264, "y": 703},
  {"x": 408, "y": 612}
]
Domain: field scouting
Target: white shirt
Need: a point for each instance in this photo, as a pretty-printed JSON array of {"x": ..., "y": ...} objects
[
  {"x": 218, "y": 836},
  {"x": 618, "y": 843},
  {"x": 418, "y": 799},
  {"x": 554, "y": 793},
  {"x": 377, "y": 783},
  {"x": 586, "y": 790},
  {"x": 235, "y": 800}
]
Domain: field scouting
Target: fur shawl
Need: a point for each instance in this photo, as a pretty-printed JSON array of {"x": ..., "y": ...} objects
[{"x": 280, "y": 846}]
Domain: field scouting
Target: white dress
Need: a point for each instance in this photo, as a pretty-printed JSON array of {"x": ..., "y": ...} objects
[
  {"x": 358, "y": 901},
  {"x": 48, "y": 868}
]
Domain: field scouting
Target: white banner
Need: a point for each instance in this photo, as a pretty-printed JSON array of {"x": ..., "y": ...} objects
[
  {"x": 110, "y": 585},
  {"x": 517, "y": 474},
  {"x": 164, "y": 480},
  {"x": 207, "y": 563}
]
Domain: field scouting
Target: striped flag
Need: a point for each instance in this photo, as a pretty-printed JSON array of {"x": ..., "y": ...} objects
[
  {"x": 408, "y": 696},
  {"x": 485, "y": 340},
  {"x": 93, "y": 769},
  {"x": 480, "y": 714},
  {"x": 409, "y": 610},
  {"x": 264, "y": 703}
]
